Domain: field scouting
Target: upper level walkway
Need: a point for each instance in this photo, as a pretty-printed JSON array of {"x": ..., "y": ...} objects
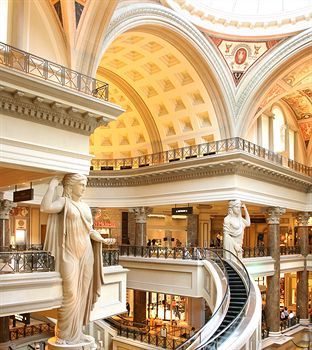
[{"x": 41, "y": 68}]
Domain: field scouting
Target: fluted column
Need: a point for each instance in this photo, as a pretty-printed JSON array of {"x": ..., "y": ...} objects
[
  {"x": 273, "y": 282},
  {"x": 302, "y": 310},
  {"x": 140, "y": 224}
]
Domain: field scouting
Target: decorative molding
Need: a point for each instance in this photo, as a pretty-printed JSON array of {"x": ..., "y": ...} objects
[
  {"x": 261, "y": 72},
  {"x": 231, "y": 164},
  {"x": 274, "y": 215},
  {"x": 37, "y": 111},
  {"x": 303, "y": 218}
]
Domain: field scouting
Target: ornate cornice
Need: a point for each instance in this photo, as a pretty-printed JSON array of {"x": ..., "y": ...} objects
[
  {"x": 169, "y": 173},
  {"x": 274, "y": 214},
  {"x": 303, "y": 218},
  {"x": 36, "y": 110}
]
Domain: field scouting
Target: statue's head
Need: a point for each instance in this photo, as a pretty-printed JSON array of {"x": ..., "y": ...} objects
[
  {"x": 71, "y": 181},
  {"x": 235, "y": 207}
]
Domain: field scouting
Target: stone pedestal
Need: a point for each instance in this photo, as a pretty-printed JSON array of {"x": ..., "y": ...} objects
[
  {"x": 273, "y": 282},
  {"x": 139, "y": 306},
  {"x": 302, "y": 307},
  {"x": 192, "y": 230},
  {"x": 88, "y": 344}
]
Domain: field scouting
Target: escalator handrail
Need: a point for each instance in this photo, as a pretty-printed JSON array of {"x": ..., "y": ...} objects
[
  {"x": 198, "y": 334},
  {"x": 211, "y": 340}
]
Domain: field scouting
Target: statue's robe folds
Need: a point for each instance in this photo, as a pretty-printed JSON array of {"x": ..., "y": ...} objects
[
  {"x": 79, "y": 262},
  {"x": 233, "y": 234}
]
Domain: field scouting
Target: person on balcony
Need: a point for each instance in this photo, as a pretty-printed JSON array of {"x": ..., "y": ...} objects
[
  {"x": 233, "y": 228},
  {"x": 69, "y": 235}
]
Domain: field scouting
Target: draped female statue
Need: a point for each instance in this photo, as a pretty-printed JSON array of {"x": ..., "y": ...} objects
[
  {"x": 233, "y": 227},
  {"x": 76, "y": 247}
]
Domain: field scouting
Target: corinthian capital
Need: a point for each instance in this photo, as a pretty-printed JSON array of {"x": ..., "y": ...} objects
[
  {"x": 303, "y": 218},
  {"x": 274, "y": 214},
  {"x": 5, "y": 207},
  {"x": 140, "y": 214}
]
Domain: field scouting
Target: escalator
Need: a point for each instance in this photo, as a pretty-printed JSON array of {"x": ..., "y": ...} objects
[{"x": 238, "y": 301}]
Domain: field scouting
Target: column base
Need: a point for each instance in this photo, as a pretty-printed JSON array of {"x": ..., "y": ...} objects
[
  {"x": 89, "y": 344},
  {"x": 275, "y": 334},
  {"x": 304, "y": 321}
]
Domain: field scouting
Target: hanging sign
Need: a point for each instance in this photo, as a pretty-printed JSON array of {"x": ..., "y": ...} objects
[
  {"x": 182, "y": 211},
  {"x": 23, "y": 195}
]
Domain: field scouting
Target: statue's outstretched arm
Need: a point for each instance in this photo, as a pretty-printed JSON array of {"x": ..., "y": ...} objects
[{"x": 49, "y": 204}]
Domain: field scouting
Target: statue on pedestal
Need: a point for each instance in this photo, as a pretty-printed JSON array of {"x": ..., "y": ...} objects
[
  {"x": 77, "y": 249},
  {"x": 233, "y": 227}
]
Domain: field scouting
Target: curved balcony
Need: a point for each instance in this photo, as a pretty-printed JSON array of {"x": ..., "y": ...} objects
[
  {"x": 41, "y": 68},
  {"x": 210, "y": 149}
]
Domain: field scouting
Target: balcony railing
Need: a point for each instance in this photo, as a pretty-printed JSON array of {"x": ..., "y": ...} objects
[
  {"x": 290, "y": 250},
  {"x": 110, "y": 257},
  {"x": 55, "y": 73},
  {"x": 150, "y": 334},
  {"x": 26, "y": 261},
  {"x": 200, "y": 151},
  {"x": 256, "y": 252},
  {"x": 30, "y": 330}
]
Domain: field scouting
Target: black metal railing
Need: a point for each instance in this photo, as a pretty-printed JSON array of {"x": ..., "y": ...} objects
[
  {"x": 290, "y": 250},
  {"x": 26, "y": 261},
  {"x": 29, "y": 330},
  {"x": 55, "y": 73},
  {"x": 256, "y": 252},
  {"x": 110, "y": 257},
  {"x": 230, "y": 145},
  {"x": 290, "y": 322},
  {"x": 149, "y": 334}
]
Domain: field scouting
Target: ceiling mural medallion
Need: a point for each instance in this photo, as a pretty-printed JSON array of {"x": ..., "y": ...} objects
[
  {"x": 306, "y": 130},
  {"x": 240, "y": 55}
]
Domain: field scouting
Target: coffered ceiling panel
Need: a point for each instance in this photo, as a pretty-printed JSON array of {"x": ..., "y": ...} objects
[{"x": 169, "y": 87}]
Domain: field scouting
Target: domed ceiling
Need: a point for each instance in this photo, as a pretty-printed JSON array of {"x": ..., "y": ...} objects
[
  {"x": 246, "y": 18},
  {"x": 166, "y": 104}
]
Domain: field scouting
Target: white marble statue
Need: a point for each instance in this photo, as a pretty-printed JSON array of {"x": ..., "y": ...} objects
[
  {"x": 233, "y": 227},
  {"x": 77, "y": 249}
]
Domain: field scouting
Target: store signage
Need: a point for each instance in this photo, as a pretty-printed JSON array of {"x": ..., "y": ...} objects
[
  {"x": 182, "y": 211},
  {"x": 24, "y": 195},
  {"x": 105, "y": 224}
]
